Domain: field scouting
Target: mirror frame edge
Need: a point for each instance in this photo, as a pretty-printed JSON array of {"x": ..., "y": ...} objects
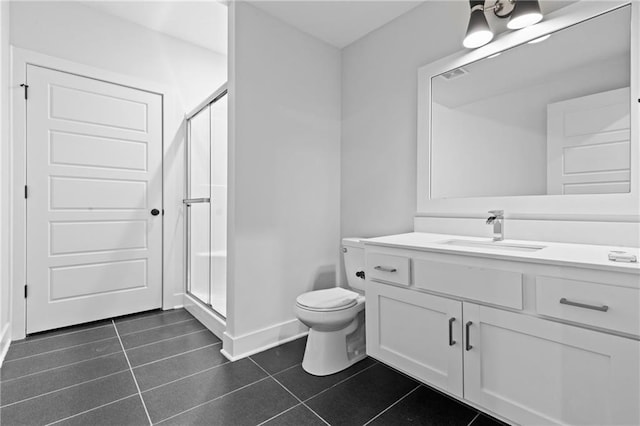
[{"x": 601, "y": 207}]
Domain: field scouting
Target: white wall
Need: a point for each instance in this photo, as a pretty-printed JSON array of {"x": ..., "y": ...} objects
[
  {"x": 81, "y": 34},
  {"x": 379, "y": 81},
  {"x": 5, "y": 173},
  {"x": 284, "y": 175}
]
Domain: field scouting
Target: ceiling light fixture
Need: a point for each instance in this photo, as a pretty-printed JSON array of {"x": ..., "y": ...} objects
[{"x": 521, "y": 13}]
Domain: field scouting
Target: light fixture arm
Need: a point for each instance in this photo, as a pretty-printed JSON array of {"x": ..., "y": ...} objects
[{"x": 501, "y": 8}]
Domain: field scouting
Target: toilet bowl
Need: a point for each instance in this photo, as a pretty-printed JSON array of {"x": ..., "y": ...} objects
[{"x": 335, "y": 318}]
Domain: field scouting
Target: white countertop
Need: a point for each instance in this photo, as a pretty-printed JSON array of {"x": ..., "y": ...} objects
[{"x": 578, "y": 255}]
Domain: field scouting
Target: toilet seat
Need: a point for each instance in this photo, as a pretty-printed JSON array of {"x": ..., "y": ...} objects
[{"x": 331, "y": 299}]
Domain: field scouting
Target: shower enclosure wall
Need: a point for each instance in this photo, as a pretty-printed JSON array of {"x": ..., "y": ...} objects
[{"x": 206, "y": 203}]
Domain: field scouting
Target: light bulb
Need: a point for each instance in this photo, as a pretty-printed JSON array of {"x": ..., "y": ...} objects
[
  {"x": 478, "y": 31},
  {"x": 525, "y": 13}
]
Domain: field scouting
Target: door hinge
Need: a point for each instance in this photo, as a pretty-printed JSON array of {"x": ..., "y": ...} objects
[
  {"x": 26, "y": 90},
  {"x": 25, "y": 291},
  {"x": 26, "y": 191},
  {"x": 162, "y": 212}
]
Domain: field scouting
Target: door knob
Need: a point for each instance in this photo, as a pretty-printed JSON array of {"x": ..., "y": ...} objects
[{"x": 155, "y": 212}]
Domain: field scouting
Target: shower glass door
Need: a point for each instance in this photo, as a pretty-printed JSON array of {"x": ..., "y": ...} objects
[{"x": 206, "y": 204}]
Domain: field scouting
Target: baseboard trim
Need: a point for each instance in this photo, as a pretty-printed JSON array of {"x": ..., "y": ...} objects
[
  {"x": 174, "y": 301},
  {"x": 238, "y": 347},
  {"x": 215, "y": 323},
  {"x": 5, "y": 341}
]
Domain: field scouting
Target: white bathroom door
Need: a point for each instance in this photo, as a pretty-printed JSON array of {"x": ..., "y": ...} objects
[
  {"x": 94, "y": 175},
  {"x": 588, "y": 144}
]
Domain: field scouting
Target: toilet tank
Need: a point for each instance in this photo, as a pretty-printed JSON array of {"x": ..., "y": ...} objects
[{"x": 353, "y": 251}]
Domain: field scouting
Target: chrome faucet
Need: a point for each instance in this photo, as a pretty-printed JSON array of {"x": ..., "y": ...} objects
[{"x": 497, "y": 217}]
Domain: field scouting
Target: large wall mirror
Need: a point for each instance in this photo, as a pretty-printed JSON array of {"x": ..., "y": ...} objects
[{"x": 544, "y": 113}]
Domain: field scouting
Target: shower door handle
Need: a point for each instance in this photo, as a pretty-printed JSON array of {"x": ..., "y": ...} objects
[{"x": 189, "y": 201}]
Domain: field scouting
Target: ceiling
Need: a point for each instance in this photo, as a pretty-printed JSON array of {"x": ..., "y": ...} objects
[
  {"x": 338, "y": 23},
  {"x": 203, "y": 23}
]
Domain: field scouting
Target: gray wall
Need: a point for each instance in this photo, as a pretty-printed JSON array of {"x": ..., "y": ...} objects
[
  {"x": 379, "y": 81},
  {"x": 379, "y": 118},
  {"x": 284, "y": 171}
]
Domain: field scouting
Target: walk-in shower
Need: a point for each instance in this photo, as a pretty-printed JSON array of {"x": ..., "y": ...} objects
[{"x": 206, "y": 203}]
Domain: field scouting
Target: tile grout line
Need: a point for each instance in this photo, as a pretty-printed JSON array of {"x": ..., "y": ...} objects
[
  {"x": 158, "y": 326},
  {"x": 176, "y": 355},
  {"x": 59, "y": 349},
  {"x": 41, "y": 339},
  {"x": 91, "y": 409},
  {"x": 474, "y": 419},
  {"x": 281, "y": 371},
  {"x": 171, "y": 338},
  {"x": 187, "y": 376},
  {"x": 150, "y": 315},
  {"x": 64, "y": 388},
  {"x": 287, "y": 389},
  {"x": 132, "y": 374},
  {"x": 60, "y": 366},
  {"x": 341, "y": 381},
  {"x": 101, "y": 340},
  {"x": 211, "y": 400},
  {"x": 392, "y": 405},
  {"x": 279, "y": 414}
]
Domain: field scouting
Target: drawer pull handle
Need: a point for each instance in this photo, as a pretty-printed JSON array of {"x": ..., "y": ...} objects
[
  {"x": 451, "y": 341},
  {"x": 384, "y": 269},
  {"x": 468, "y": 347},
  {"x": 603, "y": 308}
]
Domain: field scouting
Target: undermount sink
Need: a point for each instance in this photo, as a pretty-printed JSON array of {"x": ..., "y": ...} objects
[{"x": 496, "y": 245}]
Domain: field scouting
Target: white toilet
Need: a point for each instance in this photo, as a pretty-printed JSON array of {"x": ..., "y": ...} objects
[{"x": 335, "y": 318}]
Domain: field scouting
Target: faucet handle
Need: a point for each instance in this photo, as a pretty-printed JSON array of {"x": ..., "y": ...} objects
[{"x": 497, "y": 213}]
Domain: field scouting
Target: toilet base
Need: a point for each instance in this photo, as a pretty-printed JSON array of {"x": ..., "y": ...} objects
[{"x": 328, "y": 352}]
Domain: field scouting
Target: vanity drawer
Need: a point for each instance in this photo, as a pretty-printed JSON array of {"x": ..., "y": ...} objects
[
  {"x": 388, "y": 268},
  {"x": 595, "y": 304},
  {"x": 498, "y": 287}
]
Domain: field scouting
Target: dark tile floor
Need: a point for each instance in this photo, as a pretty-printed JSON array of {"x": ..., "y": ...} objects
[{"x": 165, "y": 367}]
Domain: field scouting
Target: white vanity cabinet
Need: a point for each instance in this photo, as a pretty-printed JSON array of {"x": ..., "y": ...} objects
[
  {"x": 489, "y": 332},
  {"x": 418, "y": 333},
  {"x": 534, "y": 371}
]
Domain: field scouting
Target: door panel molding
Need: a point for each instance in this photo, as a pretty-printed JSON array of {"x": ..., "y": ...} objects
[{"x": 20, "y": 58}]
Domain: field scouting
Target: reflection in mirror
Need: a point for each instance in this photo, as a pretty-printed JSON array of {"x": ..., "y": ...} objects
[{"x": 550, "y": 117}]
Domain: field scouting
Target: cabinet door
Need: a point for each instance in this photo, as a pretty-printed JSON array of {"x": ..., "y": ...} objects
[
  {"x": 535, "y": 371},
  {"x": 410, "y": 330}
]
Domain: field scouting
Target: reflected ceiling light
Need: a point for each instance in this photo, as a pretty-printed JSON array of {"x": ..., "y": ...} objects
[
  {"x": 521, "y": 13},
  {"x": 539, "y": 39}
]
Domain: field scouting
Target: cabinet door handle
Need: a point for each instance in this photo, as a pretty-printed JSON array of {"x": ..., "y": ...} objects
[
  {"x": 451, "y": 341},
  {"x": 466, "y": 327},
  {"x": 603, "y": 308},
  {"x": 384, "y": 269}
]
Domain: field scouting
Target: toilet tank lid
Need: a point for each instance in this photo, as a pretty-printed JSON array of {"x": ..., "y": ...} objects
[{"x": 353, "y": 242}]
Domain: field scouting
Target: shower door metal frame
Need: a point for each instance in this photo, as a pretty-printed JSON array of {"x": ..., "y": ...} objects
[{"x": 188, "y": 201}]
